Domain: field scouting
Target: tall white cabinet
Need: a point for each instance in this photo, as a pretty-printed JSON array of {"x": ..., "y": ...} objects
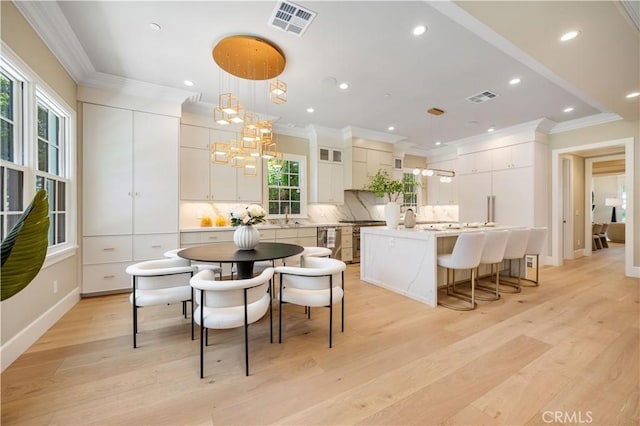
[
  {"x": 508, "y": 180},
  {"x": 130, "y": 192}
]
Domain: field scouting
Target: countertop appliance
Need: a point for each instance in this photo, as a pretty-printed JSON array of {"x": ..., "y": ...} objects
[
  {"x": 331, "y": 237},
  {"x": 357, "y": 224}
]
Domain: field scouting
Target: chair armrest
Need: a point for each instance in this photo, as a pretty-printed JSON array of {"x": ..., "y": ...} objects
[{"x": 205, "y": 280}]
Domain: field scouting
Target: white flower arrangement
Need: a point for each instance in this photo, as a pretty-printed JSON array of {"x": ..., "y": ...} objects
[{"x": 252, "y": 214}]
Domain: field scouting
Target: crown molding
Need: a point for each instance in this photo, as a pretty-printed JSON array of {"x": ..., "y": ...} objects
[
  {"x": 138, "y": 88},
  {"x": 580, "y": 123},
  {"x": 633, "y": 10},
  {"x": 358, "y": 132},
  {"x": 48, "y": 21}
]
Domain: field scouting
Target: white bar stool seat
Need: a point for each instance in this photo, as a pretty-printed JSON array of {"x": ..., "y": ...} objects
[
  {"x": 495, "y": 244},
  {"x": 466, "y": 254},
  {"x": 516, "y": 246}
]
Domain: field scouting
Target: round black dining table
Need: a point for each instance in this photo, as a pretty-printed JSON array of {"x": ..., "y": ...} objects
[{"x": 244, "y": 259}]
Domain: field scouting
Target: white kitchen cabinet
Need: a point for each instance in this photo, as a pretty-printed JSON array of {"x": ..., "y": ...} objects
[
  {"x": 366, "y": 163},
  {"x": 440, "y": 193},
  {"x": 155, "y": 165},
  {"x": 513, "y": 201},
  {"x": 359, "y": 178},
  {"x": 130, "y": 192},
  {"x": 475, "y": 162},
  {"x": 107, "y": 172},
  {"x": 194, "y": 174},
  {"x": 508, "y": 157},
  {"x": 194, "y": 136},
  {"x": 330, "y": 183}
]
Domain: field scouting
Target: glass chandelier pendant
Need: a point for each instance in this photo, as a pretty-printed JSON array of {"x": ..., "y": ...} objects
[
  {"x": 220, "y": 117},
  {"x": 229, "y": 103},
  {"x": 251, "y": 166},
  {"x": 219, "y": 153},
  {"x": 278, "y": 91}
]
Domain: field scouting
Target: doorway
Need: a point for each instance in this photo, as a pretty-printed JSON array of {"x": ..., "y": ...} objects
[{"x": 558, "y": 207}]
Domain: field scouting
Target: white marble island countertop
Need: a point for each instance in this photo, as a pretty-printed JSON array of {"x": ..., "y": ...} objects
[{"x": 404, "y": 260}]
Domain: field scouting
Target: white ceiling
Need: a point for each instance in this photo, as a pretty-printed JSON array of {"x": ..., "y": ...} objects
[{"x": 394, "y": 76}]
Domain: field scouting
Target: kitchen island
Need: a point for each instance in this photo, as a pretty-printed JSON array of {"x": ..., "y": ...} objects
[{"x": 405, "y": 260}]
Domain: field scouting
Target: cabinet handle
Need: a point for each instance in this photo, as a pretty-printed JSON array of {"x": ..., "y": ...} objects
[
  {"x": 108, "y": 249},
  {"x": 109, "y": 276},
  {"x": 156, "y": 246},
  {"x": 213, "y": 238}
]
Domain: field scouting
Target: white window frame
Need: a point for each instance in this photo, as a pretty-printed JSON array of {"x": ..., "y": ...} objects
[
  {"x": 418, "y": 191},
  {"x": 34, "y": 88},
  {"x": 302, "y": 176}
]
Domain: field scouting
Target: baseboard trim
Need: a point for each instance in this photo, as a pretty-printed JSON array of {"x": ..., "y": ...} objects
[
  {"x": 17, "y": 345},
  {"x": 634, "y": 272},
  {"x": 578, "y": 253}
]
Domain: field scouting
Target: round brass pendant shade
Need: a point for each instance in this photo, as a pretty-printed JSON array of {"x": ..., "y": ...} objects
[{"x": 249, "y": 57}]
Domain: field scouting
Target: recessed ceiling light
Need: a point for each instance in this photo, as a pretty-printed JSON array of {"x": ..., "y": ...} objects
[
  {"x": 419, "y": 30},
  {"x": 391, "y": 128},
  {"x": 569, "y": 35},
  {"x": 154, "y": 26},
  {"x": 568, "y": 109},
  {"x": 438, "y": 143},
  {"x": 344, "y": 86},
  {"x": 633, "y": 95},
  {"x": 514, "y": 81},
  {"x": 188, "y": 83},
  {"x": 310, "y": 110},
  {"x": 491, "y": 129}
]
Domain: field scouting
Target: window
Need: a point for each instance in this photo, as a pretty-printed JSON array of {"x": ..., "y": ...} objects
[
  {"x": 410, "y": 191},
  {"x": 50, "y": 167},
  {"x": 36, "y": 130},
  {"x": 285, "y": 186}
]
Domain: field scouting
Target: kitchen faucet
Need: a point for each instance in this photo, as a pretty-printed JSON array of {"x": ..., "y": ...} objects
[{"x": 286, "y": 215}]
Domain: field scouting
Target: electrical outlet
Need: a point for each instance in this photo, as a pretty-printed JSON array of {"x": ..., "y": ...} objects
[
  {"x": 55, "y": 286},
  {"x": 578, "y": 241}
]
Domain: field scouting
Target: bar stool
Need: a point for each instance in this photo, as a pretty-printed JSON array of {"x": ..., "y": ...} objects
[
  {"x": 466, "y": 255},
  {"x": 516, "y": 246},
  {"x": 534, "y": 248},
  {"x": 495, "y": 243}
]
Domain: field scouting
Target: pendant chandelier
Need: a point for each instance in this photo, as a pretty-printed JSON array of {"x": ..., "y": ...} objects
[{"x": 252, "y": 59}]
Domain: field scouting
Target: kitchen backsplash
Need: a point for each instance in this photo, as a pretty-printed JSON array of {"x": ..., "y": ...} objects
[{"x": 358, "y": 205}]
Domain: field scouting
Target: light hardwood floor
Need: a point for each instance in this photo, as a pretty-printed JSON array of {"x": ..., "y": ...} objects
[{"x": 566, "y": 352}]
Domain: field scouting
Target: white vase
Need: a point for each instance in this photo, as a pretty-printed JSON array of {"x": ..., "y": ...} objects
[
  {"x": 392, "y": 215},
  {"x": 246, "y": 237}
]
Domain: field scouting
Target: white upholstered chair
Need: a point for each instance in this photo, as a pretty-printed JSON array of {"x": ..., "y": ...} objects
[
  {"x": 466, "y": 254},
  {"x": 535, "y": 245},
  {"x": 495, "y": 243},
  {"x": 160, "y": 282},
  {"x": 230, "y": 304},
  {"x": 320, "y": 283},
  {"x": 516, "y": 247}
]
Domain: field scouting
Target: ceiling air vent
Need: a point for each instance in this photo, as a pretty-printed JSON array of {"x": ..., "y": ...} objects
[
  {"x": 482, "y": 97},
  {"x": 291, "y": 18}
]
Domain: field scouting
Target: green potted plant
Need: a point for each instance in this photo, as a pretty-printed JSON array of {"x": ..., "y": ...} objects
[{"x": 382, "y": 184}]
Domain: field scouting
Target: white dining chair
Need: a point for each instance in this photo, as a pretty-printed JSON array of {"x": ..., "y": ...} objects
[
  {"x": 200, "y": 266},
  {"x": 320, "y": 283},
  {"x": 231, "y": 304},
  {"x": 160, "y": 282}
]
